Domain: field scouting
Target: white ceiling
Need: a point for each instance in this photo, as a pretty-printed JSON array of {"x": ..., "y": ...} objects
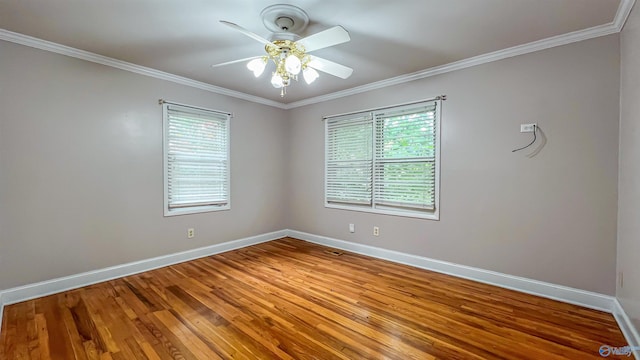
[{"x": 388, "y": 38}]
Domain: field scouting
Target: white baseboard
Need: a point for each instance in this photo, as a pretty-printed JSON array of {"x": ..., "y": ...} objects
[
  {"x": 566, "y": 294},
  {"x": 48, "y": 287},
  {"x": 628, "y": 329},
  {"x": 552, "y": 291},
  {"x": 1, "y": 311}
]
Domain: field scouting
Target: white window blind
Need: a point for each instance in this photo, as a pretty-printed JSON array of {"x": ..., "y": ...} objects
[
  {"x": 405, "y": 157},
  {"x": 349, "y": 159},
  {"x": 196, "y": 159},
  {"x": 384, "y": 161}
]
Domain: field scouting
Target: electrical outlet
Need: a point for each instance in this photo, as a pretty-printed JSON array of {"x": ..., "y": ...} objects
[
  {"x": 376, "y": 231},
  {"x": 352, "y": 228},
  {"x": 621, "y": 279},
  {"x": 191, "y": 233},
  {"x": 527, "y": 128}
]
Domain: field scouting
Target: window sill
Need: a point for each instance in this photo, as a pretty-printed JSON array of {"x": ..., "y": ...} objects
[
  {"x": 195, "y": 210},
  {"x": 404, "y": 213}
]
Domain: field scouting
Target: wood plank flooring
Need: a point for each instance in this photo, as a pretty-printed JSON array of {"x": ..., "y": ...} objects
[{"x": 289, "y": 299}]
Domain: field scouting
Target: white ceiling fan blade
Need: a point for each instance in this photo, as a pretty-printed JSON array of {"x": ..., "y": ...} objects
[
  {"x": 235, "y": 61},
  {"x": 248, "y": 33},
  {"x": 330, "y": 67},
  {"x": 333, "y": 36}
]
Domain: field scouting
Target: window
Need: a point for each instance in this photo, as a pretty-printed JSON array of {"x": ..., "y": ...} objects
[
  {"x": 196, "y": 160},
  {"x": 385, "y": 161}
]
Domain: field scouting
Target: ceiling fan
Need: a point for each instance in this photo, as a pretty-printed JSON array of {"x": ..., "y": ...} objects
[{"x": 288, "y": 51}]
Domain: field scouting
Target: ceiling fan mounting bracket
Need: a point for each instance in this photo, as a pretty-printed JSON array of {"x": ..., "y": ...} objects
[{"x": 285, "y": 18}]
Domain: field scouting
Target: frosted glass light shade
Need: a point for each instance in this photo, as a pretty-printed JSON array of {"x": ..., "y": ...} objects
[
  {"x": 292, "y": 64},
  {"x": 276, "y": 81},
  {"x": 257, "y": 66},
  {"x": 310, "y": 75}
]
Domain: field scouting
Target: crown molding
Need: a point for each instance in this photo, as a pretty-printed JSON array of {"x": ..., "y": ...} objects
[
  {"x": 601, "y": 30},
  {"x": 123, "y": 65},
  {"x": 624, "y": 9}
]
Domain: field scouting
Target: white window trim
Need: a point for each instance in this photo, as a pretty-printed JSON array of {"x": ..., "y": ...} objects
[
  {"x": 435, "y": 215},
  {"x": 165, "y": 153}
]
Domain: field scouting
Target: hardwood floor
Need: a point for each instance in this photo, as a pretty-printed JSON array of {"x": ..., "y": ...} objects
[{"x": 289, "y": 299}]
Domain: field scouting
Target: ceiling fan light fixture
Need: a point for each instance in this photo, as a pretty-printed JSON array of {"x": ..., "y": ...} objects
[
  {"x": 310, "y": 75},
  {"x": 257, "y": 66},
  {"x": 288, "y": 51},
  {"x": 293, "y": 64}
]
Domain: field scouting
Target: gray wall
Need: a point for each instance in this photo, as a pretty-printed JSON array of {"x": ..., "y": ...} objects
[
  {"x": 81, "y": 168},
  {"x": 551, "y": 217},
  {"x": 629, "y": 196}
]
